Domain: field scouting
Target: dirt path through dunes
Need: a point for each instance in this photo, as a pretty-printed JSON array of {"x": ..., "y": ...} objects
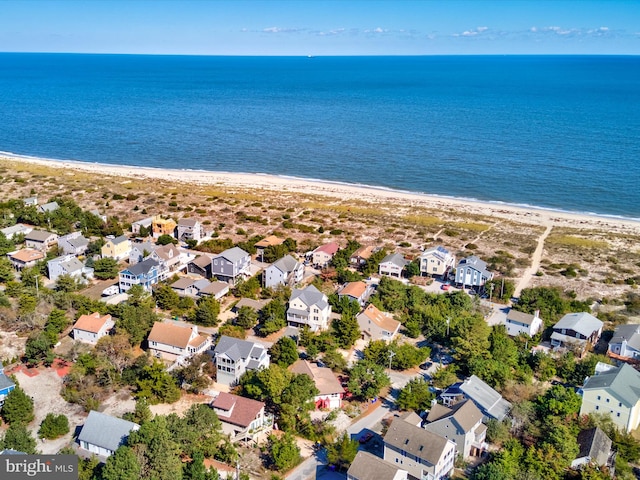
[{"x": 535, "y": 263}]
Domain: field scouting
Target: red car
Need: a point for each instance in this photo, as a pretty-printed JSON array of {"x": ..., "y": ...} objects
[{"x": 445, "y": 286}]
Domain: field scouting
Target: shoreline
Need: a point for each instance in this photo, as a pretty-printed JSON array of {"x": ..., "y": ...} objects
[{"x": 344, "y": 191}]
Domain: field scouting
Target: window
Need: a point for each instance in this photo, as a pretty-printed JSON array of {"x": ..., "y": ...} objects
[
  {"x": 620, "y": 404},
  {"x": 597, "y": 407},
  {"x": 618, "y": 414},
  {"x": 598, "y": 397},
  {"x": 607, "y": 400}
]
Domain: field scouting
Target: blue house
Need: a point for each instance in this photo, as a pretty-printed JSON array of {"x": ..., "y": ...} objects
[
  {"x": 144, "y": 273},
  {"x": 6, "y": 385}
]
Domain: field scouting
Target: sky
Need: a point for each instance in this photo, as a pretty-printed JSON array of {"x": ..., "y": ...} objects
[{"x": 321, "y": 27}]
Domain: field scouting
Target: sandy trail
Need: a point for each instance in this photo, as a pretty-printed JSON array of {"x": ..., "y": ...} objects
[{"x": 535, "y": 263}]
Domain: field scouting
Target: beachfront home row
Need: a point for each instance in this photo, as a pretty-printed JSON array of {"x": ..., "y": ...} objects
[
  {"x": 437, "y": 261},
  {"x": 520, "y": 322},
  {"x": 231, "y": 266},
  {"x": 322, "y": 255},
  {"x": 625, "y": 343},
  {"x": 472, "y": 272},
  {"x": 576, "y": 331},
  {"x": 393, "y": 265},
  {"x": 189, "y": 229}
]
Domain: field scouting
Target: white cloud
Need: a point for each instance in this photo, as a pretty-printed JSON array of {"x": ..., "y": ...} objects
[
  {"x": 281, "y": 30},
  {"x": 472, "y": 32}
]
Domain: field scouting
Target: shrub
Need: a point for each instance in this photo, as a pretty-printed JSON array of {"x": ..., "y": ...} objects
[{"x": 53, "y": 426}]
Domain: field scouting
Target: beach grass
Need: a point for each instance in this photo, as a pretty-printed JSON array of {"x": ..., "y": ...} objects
[{"x": 573, "y": 241}]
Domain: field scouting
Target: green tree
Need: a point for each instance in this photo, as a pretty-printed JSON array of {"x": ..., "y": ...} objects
[
  {"x": 342, "y": 452},
  {"x": 166, "y": 240},
  {"x": 53, "y": 426},
  {"x": 166, "y": 297},
  {"x": 367, "y": 379},
  {"x": 272, "y": 317},
  {"x": 247, "y": 288},
  {"x": 346, "y": 330},
  {"x": 372, "y": 263},
  {"x": 559, "y": 401},
  {"x": 206, "y": 313},
  {"x": 7, "y": 272},
  {"x": 413, "y": 268},
  {"x": 444, "y": 376},
  {"x": 247, "y": 317},
  {"x": 135, "y": 322},
  {"x": 415, "y": 395},
  {"x": 17, "y": 437},
  {"x": 31, "y": 276},
  {"x": 105, "y": 268},
  {"x": 284, "y": 352},
  {"x": 156, "y": 385},
  {"x": 157, "y": 453},
  {"x": 141, "y": 412},
  {"x": 18, "y": 407},
  {"x": 195, "y": 469},
  {"x": 67, "y": 283},
  {"x": 284, "y": 452},
  {"x": 122, "y": 465},
  {"x": 6, "y": 245},
  {"x": 39, "y": 349}
]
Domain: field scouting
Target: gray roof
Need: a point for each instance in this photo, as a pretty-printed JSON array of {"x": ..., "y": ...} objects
[
  {"x": 582, "y": 322},
  {"x": 286, "y": 264},
  {"x": 49, "y": 207},
  {"x": 623, "y": 383},
  {"x": 72, "y": 264},
  {"x": 234, "y": 254},
  {"x": 236, "y": 349},
  {"x": 595, "y": 445},
  {"x": 10, "y": 451},
  {"x": 464, "y": 413},
  {"x": 187, "y": 222},
  {"x": 78, "y": 242},
  {"x": 310, "y": 296},
  {"x": 145, "y": 222},
  {"x": 17, "y": 228},
  {"x": 396, "y": 259},
  {"x": 486, "y": 398},
  {"x": 520, "y": 317},
  {"x": 120, "y": 239},
  {"x": 440, "y": 253},
  {"x": 475, "y": 263},
  {"x": 143, "y": 267},
  {"x": 38, "y": 235},
  {"x": 415, "y": 441},
  {"x": 369, "y": 467},
  {"x": 629, "y": 333},
  {"x": 182, "y": 283},
  {"x": 105, "y": 431},
  {"x": 5, "y": 382}
]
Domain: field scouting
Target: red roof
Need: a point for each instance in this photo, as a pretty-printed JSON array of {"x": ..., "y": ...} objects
[
  {"x": 243, "y": 410},
  {"x": 329, "y": 248}
]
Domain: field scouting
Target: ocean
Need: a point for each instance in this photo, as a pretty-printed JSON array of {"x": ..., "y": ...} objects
[{"x": 557, "y": 132}]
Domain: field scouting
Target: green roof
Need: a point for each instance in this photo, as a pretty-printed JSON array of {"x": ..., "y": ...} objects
[{"x": 623, "y": 383}]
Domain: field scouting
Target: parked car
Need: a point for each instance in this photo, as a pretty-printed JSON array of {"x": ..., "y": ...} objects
[
  {"x": 112, "y": 290},
  {"x": 445, "y": 286},
  {"x": 366, "y": 437}
]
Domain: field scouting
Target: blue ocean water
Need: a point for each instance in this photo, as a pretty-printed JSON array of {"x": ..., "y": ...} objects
[{"x": 560, "y": 132}]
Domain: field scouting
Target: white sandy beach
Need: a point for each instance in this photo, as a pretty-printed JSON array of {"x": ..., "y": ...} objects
[{"x": 528, "y": 215}]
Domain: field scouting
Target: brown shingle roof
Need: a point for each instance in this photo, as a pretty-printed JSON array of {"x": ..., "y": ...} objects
[
  {"x": 269, "y": 241},
  {"x": 243, "y": 410},
  {"x": 520, "y": 317},
  {"x": 466, "y": 414},
  {"x": 324, "y": 379},
  {"x": 27, "y": 255},
  {"x": 416, "y": 441},
  {"x": 354, "y": 289},
  {"x": 383, "y": 320},
  {"x": 203, "y": 261},
  {"x": 170, "y": 334},
  {"x": 91, "y": 323},
  {"x": 364, "y": 252}
]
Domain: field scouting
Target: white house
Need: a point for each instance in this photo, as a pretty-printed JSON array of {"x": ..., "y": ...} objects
[
  {"x": 242, "y": 418},
  {"x": 330, "y": 391},
  {"x": 489, "y": 401},
  {"x": 356, "y": 291},
  {"x": 233, "y": 357},
  {"x": 190, "y": 229},
  {"x": 367, "y": 466},
  {"x": 625, "y": 343},
  {"x": 425, "y": 455},
  {"x": 309, "y": 306},
  {"x": 91, "y": 328},
  {"x": 103, "y": 434},
  {"x": 322, "y": 255},
  {"x": 68, "y": 265},
  {"x": 285, "y": 271},
  {"x": 73, "y": 243},
  {"x": 172, "y": 342},
  {"x": 472, "y": 272},
  {"x": 392, "y": 265},
  {"x": 437, "y": 261},
  {"x": 576, "y": 330},
  {"x": 142, "y": 223},
  {"x": 519, "y": 322}
]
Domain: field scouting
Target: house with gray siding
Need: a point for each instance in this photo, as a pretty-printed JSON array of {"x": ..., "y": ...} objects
[
  {"x": 231, "y": 265},
  {"x": 472, "y": 272},
  {"x": 233, "y": 357}
]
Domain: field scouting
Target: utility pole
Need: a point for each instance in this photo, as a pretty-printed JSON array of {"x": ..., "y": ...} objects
[
  {"x": 491, "y": 285},
  {"x": 391, "y": 355},
  {"x": 448, "y": 321}
]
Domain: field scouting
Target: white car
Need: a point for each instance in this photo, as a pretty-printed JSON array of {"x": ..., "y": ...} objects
[{"x": 112, "y": 290}]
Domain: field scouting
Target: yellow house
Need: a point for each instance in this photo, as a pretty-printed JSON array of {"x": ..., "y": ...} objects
[
  {"x": 163, "y": 226},
  {"x": 118, "y": 248},
  {"x": 616, "y": 393}
]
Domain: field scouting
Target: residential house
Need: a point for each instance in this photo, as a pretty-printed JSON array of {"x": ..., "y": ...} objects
[
  {"x": 73, "y": 244},
  {"x": 242, "y": 418},
  {"x": 116, "y": 247},
  {"x": 68, "y": 265},
  {"x": 6, "y": 385},
  {"x": 490, "y": 402},
  {"x": 233, "y": 357},
  {"x": 101, "y": 216},
  {"x": 356, "y": 291},
  {"x": 144, "y": 273},
  {"x": 190, "y": 287},
  {"x": 140, "y": 250},
  {"x": 520, "y": 322},
  {"x": 91, "y": 328},
  {"x": 175, "y": 342},
  {"x": 461, "y": 423},
  {"x": 472, "y": 272},
  {"x": 40, "y": 240},
  {"x": 102, "y": 434},
  {"x": 616, "y": 393},
  {"x": 170, "y": 260},
  {"x": 48, "y": 207},
  {"x": 25, "y": 258},
  {"x": 216, "y": 290},
  {"x": 595, "y": 449},
  {"x": 145, "y": 223},
  {"x": 190, "y": 229},
  {"x": 30, "y": 201},
  {"x": 437, "y": 261},
  {"x": 309, "y": 306},
  {"x": 17, "y": 229},
  {"x": 361, "y": 255},
  {"x": 201, "y": 265},
  {"x": 377, "y": 325},
  {"x": 163, "y": 226},
  {"x": 367, "y": 466},
  {"x": 451, "y": 395},
  {"x": 231, "y": 265},
  {"x": 256, "y": 305},
  {"x": 625, "y": 343},
  {"x": 576, "y": 330},
  {"x": 392, "y": 265},
  {"x": 322, "y": 255},
  {"x": 425, "y": 455},
  {"x": 270, "y": 241},
  {"x": 330, "y": 391},
  {"x": 286, "y": 271}
]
